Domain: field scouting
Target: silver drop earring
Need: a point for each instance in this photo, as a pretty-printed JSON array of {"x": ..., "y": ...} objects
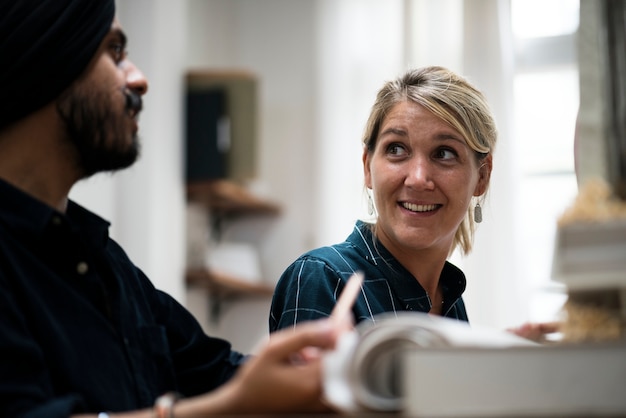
[
  {"x": 478, "y": 213},
  {"x": 370, "y": 205}
]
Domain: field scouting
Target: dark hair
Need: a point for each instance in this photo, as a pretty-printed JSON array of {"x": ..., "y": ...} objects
[{"x": 45, "y": 45}]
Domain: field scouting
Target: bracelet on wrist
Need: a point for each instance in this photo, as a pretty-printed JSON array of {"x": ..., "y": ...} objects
[{"x": 164, "y": 405}]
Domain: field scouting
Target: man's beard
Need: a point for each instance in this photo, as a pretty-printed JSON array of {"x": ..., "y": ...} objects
[{"x": 98, "y": 129}]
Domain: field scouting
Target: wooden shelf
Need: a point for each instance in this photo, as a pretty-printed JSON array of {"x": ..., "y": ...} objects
[
  {"x": 224, "y": 197},
  {"x": 224, "y": 285}
]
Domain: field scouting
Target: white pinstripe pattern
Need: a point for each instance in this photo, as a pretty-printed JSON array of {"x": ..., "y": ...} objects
[
  {"x": 295, "y": 315},
  {"x": 356, "y": 228},
  {"x": 369, "y": 308},
  {"x": 326, "y": 269}
]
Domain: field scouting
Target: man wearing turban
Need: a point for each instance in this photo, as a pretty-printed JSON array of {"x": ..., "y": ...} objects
[{"x": 83, "y": 331}]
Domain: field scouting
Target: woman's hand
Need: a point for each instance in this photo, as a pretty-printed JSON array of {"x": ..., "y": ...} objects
[{"x": 535, "y": 331}]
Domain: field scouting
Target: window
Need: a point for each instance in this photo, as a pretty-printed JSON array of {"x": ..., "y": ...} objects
[{"x": 546, "y": 101}]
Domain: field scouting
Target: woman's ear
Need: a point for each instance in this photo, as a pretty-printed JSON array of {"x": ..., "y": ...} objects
[
  {"x": 484, "y": 175},
  {"x": 366, "y": 168}
]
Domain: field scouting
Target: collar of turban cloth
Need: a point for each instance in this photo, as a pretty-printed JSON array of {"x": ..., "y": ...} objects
[{"x": 44, "y": 46}]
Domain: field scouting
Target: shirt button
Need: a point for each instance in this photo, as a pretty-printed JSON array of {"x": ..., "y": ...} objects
[
  {"x": 56, "y": 221},
  {"x": 82, "y": 267}
]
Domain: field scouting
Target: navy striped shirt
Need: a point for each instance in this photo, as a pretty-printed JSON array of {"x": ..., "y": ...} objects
[{"x": 308, "y": 289}]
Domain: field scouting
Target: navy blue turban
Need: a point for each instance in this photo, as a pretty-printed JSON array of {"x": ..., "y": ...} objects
[{"x": 44, "y": 46}]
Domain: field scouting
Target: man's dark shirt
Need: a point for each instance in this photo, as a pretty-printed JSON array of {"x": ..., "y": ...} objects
[{"x": 82, "y": 329}]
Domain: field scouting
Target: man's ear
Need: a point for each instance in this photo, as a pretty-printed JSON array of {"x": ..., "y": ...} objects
[
  {"x": 484, "y": 175},
  {"x": 366, "y": 168}
]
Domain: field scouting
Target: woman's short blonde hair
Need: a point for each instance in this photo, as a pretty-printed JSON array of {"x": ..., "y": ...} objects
[{"x": 453, "y": 99}]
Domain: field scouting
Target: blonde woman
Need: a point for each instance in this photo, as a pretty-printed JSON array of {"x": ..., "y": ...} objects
[{"x": 427, "y": 160}]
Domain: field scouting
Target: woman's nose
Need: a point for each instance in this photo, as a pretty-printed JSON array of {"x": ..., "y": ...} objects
[
  {"x": 135, "y": 79},
  {"x": 419, "y": 174}
]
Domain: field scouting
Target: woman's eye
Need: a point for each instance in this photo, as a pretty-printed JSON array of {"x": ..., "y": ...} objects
[
  {"x": 445, "y": 154},
  {"x": 396, "y": 149}
]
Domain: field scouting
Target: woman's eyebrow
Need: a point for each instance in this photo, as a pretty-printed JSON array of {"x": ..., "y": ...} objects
[
  {"x": 393, "y": 131},
  {"x": 445, "y": 136}
]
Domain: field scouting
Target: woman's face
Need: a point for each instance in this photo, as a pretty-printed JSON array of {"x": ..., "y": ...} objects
[{"x": 423, "y": 176}]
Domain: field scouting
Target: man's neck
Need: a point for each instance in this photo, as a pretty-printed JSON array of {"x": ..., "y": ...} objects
[{"x": 34, "y": 159}]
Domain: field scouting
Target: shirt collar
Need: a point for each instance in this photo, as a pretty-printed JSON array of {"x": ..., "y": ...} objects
[
  {"x": 452, "y": 278},
  {"x": 28, "y": 217}
]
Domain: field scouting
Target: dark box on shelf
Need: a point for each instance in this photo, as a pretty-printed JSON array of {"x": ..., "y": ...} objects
[{"x": 221, "y": 125}]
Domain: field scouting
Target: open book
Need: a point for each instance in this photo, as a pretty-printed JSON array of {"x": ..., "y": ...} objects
[{"x": 429, "y": 366}]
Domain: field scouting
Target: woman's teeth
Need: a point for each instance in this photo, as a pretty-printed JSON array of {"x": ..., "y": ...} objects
[{"x": 419, "y": 208}]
